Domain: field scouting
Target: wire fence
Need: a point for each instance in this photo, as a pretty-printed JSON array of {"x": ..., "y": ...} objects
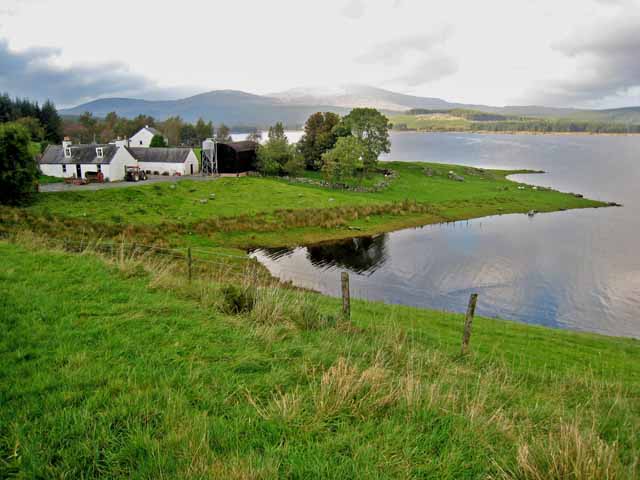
[{"x": 192, "y": 260}]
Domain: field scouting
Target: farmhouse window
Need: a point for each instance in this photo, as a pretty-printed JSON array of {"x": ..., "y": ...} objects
[
  {"x": 64, "y": 168},
  {"x": 67, "y": 152},
  {"x": 99, "y": 152}
]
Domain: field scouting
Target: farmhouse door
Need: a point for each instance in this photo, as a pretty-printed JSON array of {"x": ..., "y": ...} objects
[
  {"x": 191, "y": 168},
  {"x": 78, "y": 171}
]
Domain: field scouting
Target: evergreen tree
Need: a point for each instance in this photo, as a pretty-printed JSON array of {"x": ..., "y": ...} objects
[
  {"x": 18, "y": 167},
  {"x": 51, "y": 122}
]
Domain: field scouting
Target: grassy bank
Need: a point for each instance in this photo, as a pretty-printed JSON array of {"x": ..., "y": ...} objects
[
  {"x": 250, "y": 211},
  {"x": 121, "y": 369}
]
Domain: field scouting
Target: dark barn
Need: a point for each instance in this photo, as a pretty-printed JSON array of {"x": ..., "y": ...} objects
[{"x": 237, "y": 157}]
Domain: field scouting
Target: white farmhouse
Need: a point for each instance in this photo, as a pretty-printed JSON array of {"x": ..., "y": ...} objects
[
  {"x": 67, "y": 160},
  {"x": 143, "y": 138},
  {"x": 167, "y": 161}
]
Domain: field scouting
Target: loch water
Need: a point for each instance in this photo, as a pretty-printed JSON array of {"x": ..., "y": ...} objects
[{"x": 576, "y": 269}]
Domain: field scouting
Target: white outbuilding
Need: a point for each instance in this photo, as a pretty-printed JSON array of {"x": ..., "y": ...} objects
[
  {"x": 142, "y": 139},
  {"x": 166, "y": 161},
  {"x": 74, "y": 161}
]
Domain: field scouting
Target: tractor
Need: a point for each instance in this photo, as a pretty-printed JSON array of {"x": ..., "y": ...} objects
[{"x": 134, "y": 174}]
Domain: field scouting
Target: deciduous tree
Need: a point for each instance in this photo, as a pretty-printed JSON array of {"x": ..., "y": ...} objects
[
  {"x": 343, "y": 161},
  {"x": 372, "y": 128},
  {"x": 171, "y": 128},
  {"x": 158, "y": 141},
  {"x": 319, "y": 137},
  {"x": 277, "y": 156}
]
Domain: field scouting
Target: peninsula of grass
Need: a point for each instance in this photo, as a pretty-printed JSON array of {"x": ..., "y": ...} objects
[
  {"x": 122, "y": 369},
  {"x": 249, "y": 212}
]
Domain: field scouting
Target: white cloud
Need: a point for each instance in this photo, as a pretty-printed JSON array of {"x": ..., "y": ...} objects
[
  {"x": 496, "y": 52},
  {"x": 354, "y": 9}
]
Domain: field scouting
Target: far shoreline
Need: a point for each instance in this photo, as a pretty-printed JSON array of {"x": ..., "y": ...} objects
[{"x": 525, "y": 132}]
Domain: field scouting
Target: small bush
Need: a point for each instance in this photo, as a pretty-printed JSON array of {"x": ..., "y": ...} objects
[
  {"x": 307, "y": 316},
  {"x": 237, "y": 299}
]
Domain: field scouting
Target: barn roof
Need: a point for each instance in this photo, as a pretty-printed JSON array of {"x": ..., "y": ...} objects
[
  {"x": 244, "y": 146},
  {"x": 160, "y": 155},
  {"x": 83, "y": 154},
  {"x": 154, "y": 130}
]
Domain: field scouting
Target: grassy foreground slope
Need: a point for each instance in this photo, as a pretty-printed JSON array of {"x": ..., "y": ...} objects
[
  {"x": 111, "y": 370},
  {"x": 251, "y": 211}
]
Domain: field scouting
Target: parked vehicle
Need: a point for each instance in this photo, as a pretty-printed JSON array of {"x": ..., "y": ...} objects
[
  {"x": 134, "y": 174},
  {"x": 94, "y": 177}
]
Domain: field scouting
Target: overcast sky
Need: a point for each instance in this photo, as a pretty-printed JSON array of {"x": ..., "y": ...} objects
[{"x": 582, "y": 53}]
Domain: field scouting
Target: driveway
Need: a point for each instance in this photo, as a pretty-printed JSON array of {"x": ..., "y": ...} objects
[{"x": 66, "y": 187}]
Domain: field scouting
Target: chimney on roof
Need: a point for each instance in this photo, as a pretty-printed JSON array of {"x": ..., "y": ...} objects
[
  {"x": 66, "y": 142},
  {"x": 124, "y": 142}
]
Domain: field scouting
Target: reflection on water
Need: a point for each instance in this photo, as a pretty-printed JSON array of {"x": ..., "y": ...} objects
[
  {"x": 574, "y": 269},
  {"x": 361, "y": 255}
]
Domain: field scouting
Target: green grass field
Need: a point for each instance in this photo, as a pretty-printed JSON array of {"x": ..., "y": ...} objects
[
  {"x": 123, "y": 370},
  {"x": 272, "y": 212},
  {"x": 45, "y": 179}
]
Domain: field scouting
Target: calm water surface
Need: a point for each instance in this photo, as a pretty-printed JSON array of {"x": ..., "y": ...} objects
[{"x": 577, "y": 269}]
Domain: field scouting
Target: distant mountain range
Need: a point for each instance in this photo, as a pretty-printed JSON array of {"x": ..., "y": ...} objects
[{"x": 293, "y": 107}]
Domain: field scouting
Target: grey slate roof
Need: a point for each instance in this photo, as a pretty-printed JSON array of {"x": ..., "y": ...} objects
[
  {"x": 160, "y": 155},
  {"x": 83, "y": 154},
  {"x": 154, "y": 131}
]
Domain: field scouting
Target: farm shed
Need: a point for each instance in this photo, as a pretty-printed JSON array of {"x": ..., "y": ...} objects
[
  {"x": 168, "y": 161},
  {"x": 236, "y": 157},
  {"x": 74, "y": 161}
]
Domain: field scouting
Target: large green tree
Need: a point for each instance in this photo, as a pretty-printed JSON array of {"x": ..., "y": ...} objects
[
  {"x": 319, "y": 137},
  {"x": 343, "y": 161},
  {"x": 372, "y": 128},
  {"x": 277, "y": 156},
  {"x": 18, "y": 167}
]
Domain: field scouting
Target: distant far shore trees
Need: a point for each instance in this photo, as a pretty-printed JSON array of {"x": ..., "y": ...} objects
[
  {"x": 88, "y": 128},
  {"x": 343, "y": 149}
]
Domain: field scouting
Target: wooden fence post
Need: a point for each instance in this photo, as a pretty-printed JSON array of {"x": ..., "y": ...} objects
[
  {"x": 346, "y": 296},
  {"x": 189, "y": 263},
  {"x": 468, "y": 322}
]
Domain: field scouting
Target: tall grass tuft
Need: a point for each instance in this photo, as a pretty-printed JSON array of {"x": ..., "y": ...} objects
[{"x": 569, "y": 454}]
